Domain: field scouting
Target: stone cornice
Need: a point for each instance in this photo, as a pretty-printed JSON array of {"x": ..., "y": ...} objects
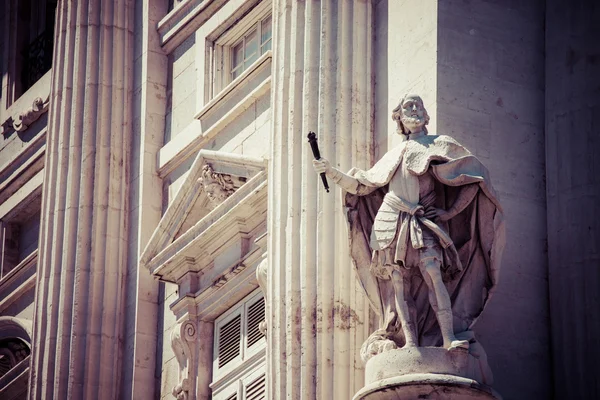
[{"x": 184, "y": 20}]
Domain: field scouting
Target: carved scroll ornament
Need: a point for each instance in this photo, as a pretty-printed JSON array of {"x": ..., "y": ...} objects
[{"x": 183, "y": 342}]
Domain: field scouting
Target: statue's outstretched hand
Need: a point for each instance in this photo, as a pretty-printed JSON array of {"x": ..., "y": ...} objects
[{"x": 322, "y": 165}]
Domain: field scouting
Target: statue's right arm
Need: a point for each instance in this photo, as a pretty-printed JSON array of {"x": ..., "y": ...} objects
[{"x": 343, "y": 180}]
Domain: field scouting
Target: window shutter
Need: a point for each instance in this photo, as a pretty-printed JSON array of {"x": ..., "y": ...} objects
[
  {"x": 255, "y": 390},
  {"x": 256, "y": 314},
  {"x": 229, "y": 341},
  {"x": 232, "y": 397}
]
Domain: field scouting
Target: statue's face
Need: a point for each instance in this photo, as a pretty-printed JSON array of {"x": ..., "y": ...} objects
[{"x": 413, "y": 113}]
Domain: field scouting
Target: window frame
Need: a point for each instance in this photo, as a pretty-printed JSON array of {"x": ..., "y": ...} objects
[
  {"x": 260, "y": 45},
  {"x": 219, "y": 54}
]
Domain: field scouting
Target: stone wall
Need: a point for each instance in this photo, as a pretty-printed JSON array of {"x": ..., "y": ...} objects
[
  {"x": 247, "y": 133},
  {"x": 573, "y": 194},
  {"x": 181, "y": 90},
  {"x": 490, "y": 96}
]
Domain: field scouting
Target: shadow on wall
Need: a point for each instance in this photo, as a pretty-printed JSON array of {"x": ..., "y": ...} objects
[{"x": 490, "y": 97}]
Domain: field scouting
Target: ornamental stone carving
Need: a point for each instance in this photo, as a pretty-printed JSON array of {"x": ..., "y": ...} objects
[
  {"x": 426, "y": 236},
  {"x": 183, "y": 343},
  {"x": 218, "y": 187},
  {"x": 29, "y": 116}
]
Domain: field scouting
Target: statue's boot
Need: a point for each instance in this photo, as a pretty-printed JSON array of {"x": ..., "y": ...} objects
[{"x": 445, "y": 321}]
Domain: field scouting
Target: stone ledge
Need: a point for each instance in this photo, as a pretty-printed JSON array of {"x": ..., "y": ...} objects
[{"x": 426, "y": 386}]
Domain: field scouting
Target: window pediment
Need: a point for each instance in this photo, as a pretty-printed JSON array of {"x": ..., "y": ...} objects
[{"x": 223, "y": 199}]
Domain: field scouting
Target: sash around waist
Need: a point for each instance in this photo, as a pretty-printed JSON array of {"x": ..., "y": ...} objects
[{"x": 410, "y": 225}]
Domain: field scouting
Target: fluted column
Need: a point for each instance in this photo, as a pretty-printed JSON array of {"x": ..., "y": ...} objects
[
  {"x": 322, "y": 82},
  {"x": 78, "y": 326}
]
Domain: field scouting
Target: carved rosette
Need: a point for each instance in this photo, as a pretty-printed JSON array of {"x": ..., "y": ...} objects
[
  {"x": 218, "y": 186},
  {"x": 183, "y": 343}
]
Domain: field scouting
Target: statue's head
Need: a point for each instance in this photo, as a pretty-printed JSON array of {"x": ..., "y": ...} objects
[{"x": 410, "y": 115}]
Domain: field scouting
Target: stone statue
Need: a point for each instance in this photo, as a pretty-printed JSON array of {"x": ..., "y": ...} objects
[{"x": 426, "y": 235}]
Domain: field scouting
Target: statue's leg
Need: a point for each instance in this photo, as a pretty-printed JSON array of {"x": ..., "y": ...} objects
[
  {"x": 408, "y": 327},
  {"x": 431, "y": 268}
]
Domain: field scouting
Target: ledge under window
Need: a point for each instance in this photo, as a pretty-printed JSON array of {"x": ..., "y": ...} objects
[{"x": 223, "y": 109}]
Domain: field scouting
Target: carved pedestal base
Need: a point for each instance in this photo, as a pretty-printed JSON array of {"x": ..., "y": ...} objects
[{"x": 424, "y": 373}]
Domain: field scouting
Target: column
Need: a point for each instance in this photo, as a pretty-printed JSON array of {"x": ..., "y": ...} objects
[
  {"x": 322, "y": 82},
  {"x": 78, "y": 322},
  {"x": 573, "y": 194}
]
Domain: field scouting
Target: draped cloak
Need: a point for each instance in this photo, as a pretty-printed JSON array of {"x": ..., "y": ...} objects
[{"x": 477, "y": 232}]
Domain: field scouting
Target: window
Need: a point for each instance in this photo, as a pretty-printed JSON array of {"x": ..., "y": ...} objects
[
  {"x": 252, "y": 45},
  {"x": 19, "y": 233},
  {"x": 239, "y": 352},
  {"x": 12, "y": 352},
  {"x": 237, "y": 44},
  {"x": 34, "y": 42}
]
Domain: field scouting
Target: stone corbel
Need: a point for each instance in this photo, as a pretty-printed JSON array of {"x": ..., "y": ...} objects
[
  {"x": 183, "y": 342},
  {"x": 29, "y": 116}
]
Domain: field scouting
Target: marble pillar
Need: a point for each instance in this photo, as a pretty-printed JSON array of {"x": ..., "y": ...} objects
[
  {"x": 78, "y": 326},
  {"x": 323, "y": 82}
]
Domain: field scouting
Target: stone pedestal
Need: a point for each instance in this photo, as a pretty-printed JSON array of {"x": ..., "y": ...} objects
[{"x": 424, "y": 373}]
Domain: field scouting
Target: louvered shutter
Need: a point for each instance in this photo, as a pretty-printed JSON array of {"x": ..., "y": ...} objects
[
  {"x": 239, "y": 348},
  {"x": 255, "y": 390},
  {"x": 228, "y": 346},
  {"x": 254, "y": 316}
]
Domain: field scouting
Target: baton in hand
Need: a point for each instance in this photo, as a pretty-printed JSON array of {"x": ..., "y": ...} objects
[{"x": 312, "y": 139}]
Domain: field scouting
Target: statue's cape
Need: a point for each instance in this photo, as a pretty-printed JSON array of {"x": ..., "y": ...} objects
[{"x": 477, "y": 232}]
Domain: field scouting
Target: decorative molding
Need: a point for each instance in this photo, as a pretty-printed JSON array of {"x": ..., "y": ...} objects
[
  {"x": 234, "y": 88},
  {"x": 187, "y": 17},
  {"x": 210, "y": 302},
  {"x": 32, "y": 114},
  {"x": 218, "y": 187},
  {"x": 237, "y": 217},
  {"x": 243, "y": 167},
  {"x": 26, "y": 104},
  {"x": 183, "y": 342}
]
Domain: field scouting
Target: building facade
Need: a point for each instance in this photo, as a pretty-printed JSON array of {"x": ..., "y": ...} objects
[{"x": 163, "y": 234}]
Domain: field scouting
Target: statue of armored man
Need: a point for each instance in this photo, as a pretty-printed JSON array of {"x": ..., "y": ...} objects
[{"x": 426, "y": 236}]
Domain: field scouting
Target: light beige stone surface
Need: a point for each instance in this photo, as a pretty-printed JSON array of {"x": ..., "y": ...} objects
[
  {"x": 322, "y": 80},
  {"x": 426, "y": 386},
  {"x": 79, "y": 320}
]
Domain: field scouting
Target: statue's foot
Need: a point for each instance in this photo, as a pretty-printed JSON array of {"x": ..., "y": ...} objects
[{"x": 455, "y": 344}]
